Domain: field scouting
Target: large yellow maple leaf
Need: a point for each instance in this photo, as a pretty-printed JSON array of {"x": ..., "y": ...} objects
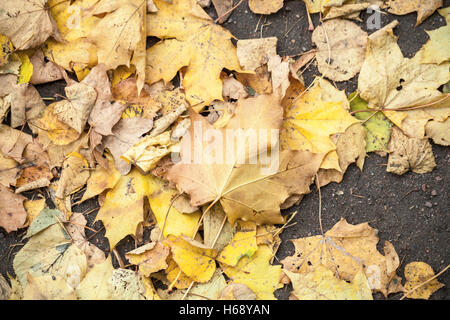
[
  {"x": 227, "y": 164},
  {"x": 311, "y": 121},
  {"x": 189, "y": 38}
]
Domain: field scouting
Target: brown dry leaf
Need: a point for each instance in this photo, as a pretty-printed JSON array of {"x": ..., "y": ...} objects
[
  {"x": 347, "y": 11},
  {"x": 76, "y": 228},
  {"x": 346, "y": 249},
  {"x": 222, "y": 7},
  {"x": 26, "y": 105},
  {"x": 244, "y": 187},
  {"x": 76, "y": 109},
  {"x": 424, "y": 8},
  {"x": 27, "y": 23},
  {"x": 150, "y": 257},
  {"x": 233, "y": 89},
  {"x": 265, "y": 6},
  {"x": 237, "y": 291},
  {"x": 104, "y": 114},
  {"x": 126, "y": 92},
  {"x": 407, "y": 153},
  {"x": 44, "y": 72},
  {"x": 254, "y": 53},
  {"x": 280, "y": 72},
  {"x": 74, "y": 175},
  {"x": 13, "y": 142},
  {"x": 350, "y": 147},
  {"x": 12, "y": 212},
  {"x": 9, "y": 171},
  {"x": 341, "y": 48},
  {"x": 439, "y": 132}
]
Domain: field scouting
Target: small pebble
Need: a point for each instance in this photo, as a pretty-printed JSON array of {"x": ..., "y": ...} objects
[
  {"x": 434, "y": 193},
  {"x": 428, "y": 204},
  {"x": 339, "y": 192}
]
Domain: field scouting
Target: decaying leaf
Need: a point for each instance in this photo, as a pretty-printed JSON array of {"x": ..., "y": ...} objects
[
  {"x": 193, "y": 258},
  {"x": 424, "y": 8},
  {"x": 265, "y": 6},
  {"x": 207, "y": 176},
  {"x": 341, "y": 46},
  {"x": 416, "y": 273},
  {"x": 407, "y": 153},
  {"x": 346, "y": 250},
  {"x": 26, "y": 22},
  {"x": 321, "y": 284},
  {"x": 256, "y": 273},
  {"x": 150, "y": 257},
  {"x": 311, "y": 120},
  {"x": 184, "y": 43},
  {"x": 388, "y": 80},
  {"x": 12, "y": 212}
]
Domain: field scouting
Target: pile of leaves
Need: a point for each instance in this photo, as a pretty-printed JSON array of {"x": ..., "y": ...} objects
[{"x": 123, "y": 130}]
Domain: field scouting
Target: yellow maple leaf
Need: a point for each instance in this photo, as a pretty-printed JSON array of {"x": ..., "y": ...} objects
[
  {"x": 321, "y": 284},
  {"x": 194, "y": 259},
  {"x": 123, "y": 208},
  {"x": 257, "y": 273},
  {"x": 311, "y": 120},
  {"x": 190, "y": 38},
  {"x": 243, "y": 244},
  {"x": 416, "y": 273},
  {"x": 346, "y": 249}
]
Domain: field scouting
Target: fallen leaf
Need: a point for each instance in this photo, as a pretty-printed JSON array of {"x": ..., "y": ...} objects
[
  {"x": 207, "y": 176},
  {"x": 407, "y": 153},
  {"x": 424, "y": 8},
  {"x": 265, "y": 6},
  {"x": 389, "y": 81},
  {"x": 149, "y": 258},
  {"x": 96, "y": 285},
  {"x": 311, "y": 120},
  {"x": 417, "y": 273},
  {"x": 436, "y": 50},
  {"x": 237, "y": 291},
  {"x": 47, "y": 287},
  {"x": 346, "y": 250},
  {"x": 168, "y": 218},
  {"x": 13, "y": 142},
  {"x": 321, "y": 284},
  {"x": 376, "y": 126},
  {"x": 193, "y": 258},
  {"x": 254, "y": 53},
  {"x": 242, "y": 244},
  {"x": 27, "y": 23},
  {"x": 12, "y": 212},
  {"x": 341, "y": 47},
  {"x": 74, "y": 175},
  {"x": 257, "y": 273},
  {"x": 186, "y": 31},
  {"x": 123, "y": 208},
  {"x": 50, "y": 252},
  {"x": 439, "y": 132}
]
